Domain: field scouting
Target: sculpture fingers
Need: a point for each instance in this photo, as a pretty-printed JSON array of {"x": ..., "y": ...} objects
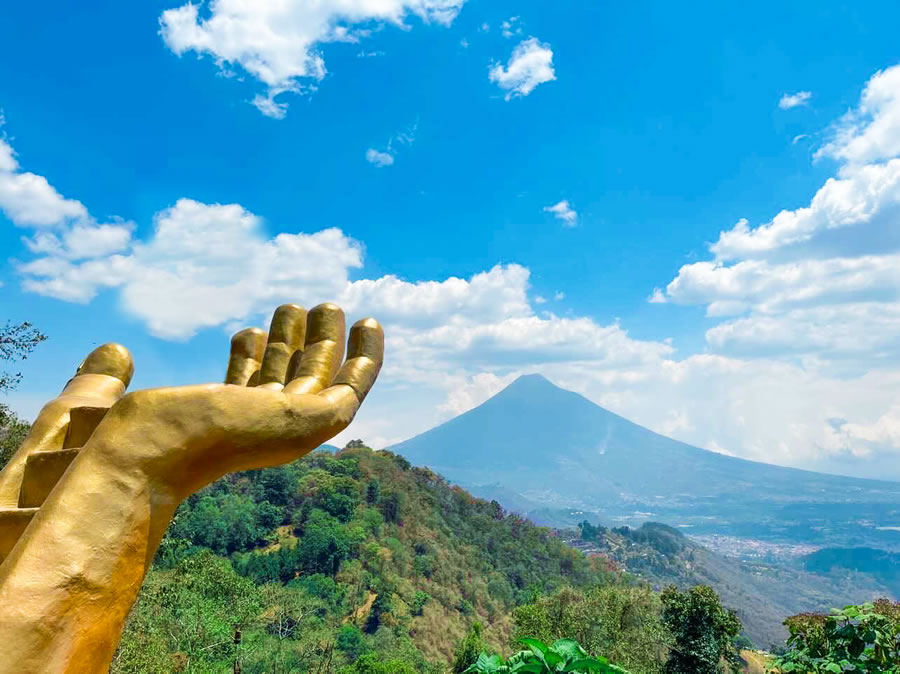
[
  {"x": 247, "y": 349},
  {"x": 99, "y": 381},
  {"x": 365, "y": 356},
  {"x": 314, "y": 368},
  {"x": 112, "y": 360},
  {"x": 287, "y": 335}
]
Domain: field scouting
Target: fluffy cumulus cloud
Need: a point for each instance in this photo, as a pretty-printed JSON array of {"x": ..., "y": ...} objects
[
  {"x": 563, "y": 212},
  {"x": 823, "y": 278},
  {"x": 379, "y": 158},
  {"x": 183, "y": 279},
  {"x": 801, "y": 359},
  {"x": 871, "y": 132},
  {"x": 278, "y": 43},
  {"x": 531, "y": 64},
  {"x": 789, "y": 101},
  {"x": 818, "y": 286},
  {"x": 28, "y": 200}
]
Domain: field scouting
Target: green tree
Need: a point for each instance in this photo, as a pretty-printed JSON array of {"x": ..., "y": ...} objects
[
  {"x": 12, "y": 432},
  {"x": 623, "y": 623},
  {"x": 197, "y": 612},
  {"x": 468, "y": 650},
  {"x": 862, "y": 638},
  {"x": 374, "y": 664},
  {"x": 418, "y": 603},
  {"x": 703, "y": 631},
  {"x": 383, "y": 604},
  {"x": 17, "y": 341},
  {"x": 373, "y": 492},
  {"x": 352, "y": 642},
  {"x": 323, "y": 545},
  {"x": 391, "y": 504}
]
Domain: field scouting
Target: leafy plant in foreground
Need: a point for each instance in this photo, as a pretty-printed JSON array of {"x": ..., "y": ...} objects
[
  {"x": 564, "y": 655},
  {"x": 702, "y": 629},
  {"x": 862, "y": 638}
]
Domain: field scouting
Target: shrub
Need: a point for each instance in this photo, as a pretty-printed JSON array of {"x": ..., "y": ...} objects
[
  {"x": 564, "y": 655},
  {"x": 703, "y": 631},
  {"x": 351, "y": 641},
  {"x": 419, "y": 601},
  {"x": 855, "y": 639}
]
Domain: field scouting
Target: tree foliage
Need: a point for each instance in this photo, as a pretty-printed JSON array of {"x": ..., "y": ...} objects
[
  {"x": 12, "y": 432},
  {"x": 621, "y": 622},
  {"x": 863, "y": 638},
  {"x": 354, "y": 557},
  {"x": 17, "y": 340},
  {"x": 703, "y": 631},
  {"x": 564, "y": 655}
]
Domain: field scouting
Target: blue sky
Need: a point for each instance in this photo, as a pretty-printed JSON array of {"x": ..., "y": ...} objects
[{"x": 504, "y": 185}]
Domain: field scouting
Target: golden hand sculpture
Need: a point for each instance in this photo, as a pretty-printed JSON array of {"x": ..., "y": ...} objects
[{"x": 76, "y": 552}]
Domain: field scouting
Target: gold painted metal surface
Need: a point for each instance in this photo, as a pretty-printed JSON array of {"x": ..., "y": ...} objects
[
  {"x": 12, "y": 523},
  {"x": 42, "y": 472},
  {"x": 82, "y": 422},
  {"x": 71, "y": 570}
]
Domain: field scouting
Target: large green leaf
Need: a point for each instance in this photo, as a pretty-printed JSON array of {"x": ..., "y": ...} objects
[
  {"x": 540, "y": 650},
  {"x": 588, "y": 664},
  {"x": 568, "y": 649}
]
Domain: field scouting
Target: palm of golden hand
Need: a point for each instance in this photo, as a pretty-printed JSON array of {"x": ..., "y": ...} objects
[
  {"x": 73, "y": 573},
  {"x": 284, "y": 394}
]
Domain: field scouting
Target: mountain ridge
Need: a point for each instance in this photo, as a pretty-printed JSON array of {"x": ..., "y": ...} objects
[
  {"x": 533, "y": 381},
  {"x": 559, "y": 450}
]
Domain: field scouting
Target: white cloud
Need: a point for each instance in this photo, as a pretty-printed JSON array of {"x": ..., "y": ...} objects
[
  {"x": 810, "y": 338},
  {"x": 563, "y": 212},
  {"x": 28, "y": 200},
  {"x": 657, "y": 297},
  {"x": 863, "y": 330},
  {"x": 809, "y": 307},
  {"x": 531, "y": 64},
  {"x": 821, "y": 281},
  {"x": 278, "y": 42},
  {"x": 511, "y": 27},
  {"x": 268, "y": 106},
  {"x": 862, "y": 439},
  {"x": 386, "y": 157},
  {"x": 183, "y": 278},
  {"x": 862, "y": 196},
  {"x": 559, "y": 295},
  {"x": 378, "y": 158},
  {"x": 81, "y": 241},
  {"x": 871, "y": 132},
  {"x": 789, "y": 101}
]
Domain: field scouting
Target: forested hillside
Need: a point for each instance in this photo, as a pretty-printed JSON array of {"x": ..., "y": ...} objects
[
  {"x": 762, "y": 594},
  {"x": 307, "y": 566}
]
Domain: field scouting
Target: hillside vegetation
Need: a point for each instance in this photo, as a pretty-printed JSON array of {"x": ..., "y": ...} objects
[
  {"x": 762, "y": 594},
  {"x": 836, "y": 562},
  {"x": 307, "y": 566}
]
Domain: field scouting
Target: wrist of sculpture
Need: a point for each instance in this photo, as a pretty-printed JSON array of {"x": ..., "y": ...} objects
[{"x": 65, "y": 593}]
